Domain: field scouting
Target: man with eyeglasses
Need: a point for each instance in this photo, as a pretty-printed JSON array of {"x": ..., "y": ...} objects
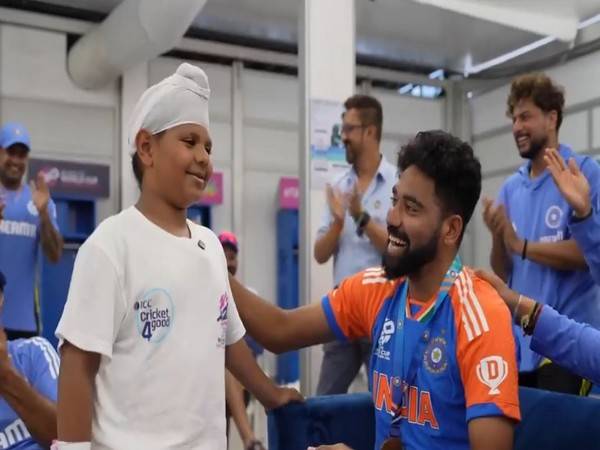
[{"x": 353, "y": 228}]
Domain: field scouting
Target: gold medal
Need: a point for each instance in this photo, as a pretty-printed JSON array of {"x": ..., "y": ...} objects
[{"x": 392, "y": 444}]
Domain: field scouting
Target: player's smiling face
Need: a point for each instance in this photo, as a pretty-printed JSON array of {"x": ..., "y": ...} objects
[{"x": 414, "y": 222}]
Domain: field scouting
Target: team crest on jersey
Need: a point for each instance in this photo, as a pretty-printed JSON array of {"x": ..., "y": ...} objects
[
  {"x": 222, "y": 319},
  {"x": 154, "y": 314},
  {"x": 435, "y": 357},
  {"x": 553, "y": 217},
  {"x": 31, "y": 208},
  {"x": 387, "y": 332}
]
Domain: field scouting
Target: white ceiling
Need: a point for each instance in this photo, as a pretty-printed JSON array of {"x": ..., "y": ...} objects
[{"x": 403, "y": 31}]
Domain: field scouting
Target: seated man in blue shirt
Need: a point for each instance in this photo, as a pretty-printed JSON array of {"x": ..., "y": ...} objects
[{"x": 28, "y": 385}]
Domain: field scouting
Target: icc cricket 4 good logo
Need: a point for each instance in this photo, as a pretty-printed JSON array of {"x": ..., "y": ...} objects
[
  {"x": 154, "y": 314},
  {"x": 492, "y": 371}
]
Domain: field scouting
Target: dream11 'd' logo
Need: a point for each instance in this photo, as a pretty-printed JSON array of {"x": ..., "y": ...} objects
[{"x": 492, "y": 371}]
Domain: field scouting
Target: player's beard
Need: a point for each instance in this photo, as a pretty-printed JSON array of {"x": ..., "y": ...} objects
[
  {"x": 536, "y": 145},
  {"x": 411, "y": 260}
]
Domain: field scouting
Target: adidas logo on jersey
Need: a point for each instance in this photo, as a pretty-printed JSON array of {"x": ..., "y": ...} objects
[{"x": 374, "y": 275}]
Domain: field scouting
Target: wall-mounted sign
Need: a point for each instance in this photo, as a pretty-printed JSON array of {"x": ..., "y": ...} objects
[
  {"x": 327, "y": 152},
  {"x": 213, "y": 193},
  {"x": 73, "y": 178},
  {"x": 289, "y": 193}
]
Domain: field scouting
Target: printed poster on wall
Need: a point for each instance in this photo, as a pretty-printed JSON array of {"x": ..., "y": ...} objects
[{"x": 327, "y": 153}]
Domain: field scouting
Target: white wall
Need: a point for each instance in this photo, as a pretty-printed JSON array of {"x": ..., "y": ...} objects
[
  {"x": 65, "y": 122},
  {"x": 494, "y": 143},
  {"x": 404, "y": 116}
]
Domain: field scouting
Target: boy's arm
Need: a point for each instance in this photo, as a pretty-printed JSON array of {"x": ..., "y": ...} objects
[
  {"x": 75, "y": 393},
  {"x": 234, "y": 396},
  {"x": 280, "y": 330},
  {"x": 240, "y": 362}
]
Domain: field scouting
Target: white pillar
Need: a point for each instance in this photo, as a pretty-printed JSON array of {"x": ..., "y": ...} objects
[
  {"x": 237, "y": 159},
  {"x": 133, "y": 84},
  {"x": 327, "y": 72}
]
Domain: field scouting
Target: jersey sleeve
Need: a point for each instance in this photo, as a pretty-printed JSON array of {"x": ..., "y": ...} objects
[
  {"x": 43, "y": 367},
  {"x": 591, "y": 170},
  {"x": 95, "y": 304},
  {"x": 587, "y": 237},
  {"x": 486, "y": 350},
  {"x": 351, "y": 309},
  {"x": 235, "y": 327}
]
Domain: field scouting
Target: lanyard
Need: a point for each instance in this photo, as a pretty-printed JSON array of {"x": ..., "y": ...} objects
[{"x": 408, "y": 377}]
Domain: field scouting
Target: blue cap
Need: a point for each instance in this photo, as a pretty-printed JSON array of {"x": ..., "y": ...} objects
[{"x": 14, "y": 133}]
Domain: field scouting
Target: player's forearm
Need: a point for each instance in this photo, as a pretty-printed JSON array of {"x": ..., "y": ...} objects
[
  {"x": 242, "y": 365},
  {"x": 377, "y": 234},
  {"x": 562, "y": 255},
  {"x": 76, "y": 393},
  {"x": 326, "y": 245},
  {"x": 491, "y": 433},
  {"x": 499, "y": 259},
  {"x": 36, "y": 411},
  {"x": 265, "y": 322},
  {"x": 234, "y": 395},
  {"x": 52, "y": 242}
]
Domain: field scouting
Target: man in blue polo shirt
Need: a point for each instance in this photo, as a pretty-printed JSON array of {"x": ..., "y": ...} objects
[
  {"x": 533, "y": 248},
  {"x": 28, "y": 390},
  {"x": 29, "y": 219}
]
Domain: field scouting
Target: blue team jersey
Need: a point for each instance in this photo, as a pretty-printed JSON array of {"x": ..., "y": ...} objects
[
  {"x": 539, "y": 213},
  {"x": 19, "y": 248},
  {"x": 467, "y": 368},
  {"x": 36, "y": 360}
]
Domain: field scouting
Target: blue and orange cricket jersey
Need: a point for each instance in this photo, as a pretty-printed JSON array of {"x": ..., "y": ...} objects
[{"x": 468, "y": 368}]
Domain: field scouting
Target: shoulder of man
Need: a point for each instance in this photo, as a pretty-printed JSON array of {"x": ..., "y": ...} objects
[
  {"x": 479, "y": 306},
  {"x": 369, "y": 283},
  {"x": 35, "y": 355}
]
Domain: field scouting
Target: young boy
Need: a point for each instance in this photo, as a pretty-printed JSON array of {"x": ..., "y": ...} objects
[{"x": 144, "y": 338}]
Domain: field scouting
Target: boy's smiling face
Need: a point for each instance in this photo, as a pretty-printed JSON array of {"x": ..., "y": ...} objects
[{"x": 177, "y": 164}]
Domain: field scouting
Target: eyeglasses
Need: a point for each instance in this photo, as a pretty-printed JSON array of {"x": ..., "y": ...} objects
[{"x": 348, "y": 128}]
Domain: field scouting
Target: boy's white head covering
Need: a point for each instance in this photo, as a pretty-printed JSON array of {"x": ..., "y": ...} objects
[{"x": 179, "y": 99}]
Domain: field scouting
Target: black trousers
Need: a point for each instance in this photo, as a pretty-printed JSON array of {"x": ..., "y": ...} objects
[
  {"x": 19, "y": 334},
  {"x": 552, "y": 377}
]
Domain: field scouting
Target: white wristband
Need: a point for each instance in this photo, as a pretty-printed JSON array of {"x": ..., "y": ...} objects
[{"x": 61, "y": 445}]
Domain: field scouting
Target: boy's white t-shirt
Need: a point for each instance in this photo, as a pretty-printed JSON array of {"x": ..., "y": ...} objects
[{"x": 159, "y": 310}]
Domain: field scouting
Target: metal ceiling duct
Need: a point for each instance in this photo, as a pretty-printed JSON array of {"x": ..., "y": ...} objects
[{"x": 134, "y": 32}]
